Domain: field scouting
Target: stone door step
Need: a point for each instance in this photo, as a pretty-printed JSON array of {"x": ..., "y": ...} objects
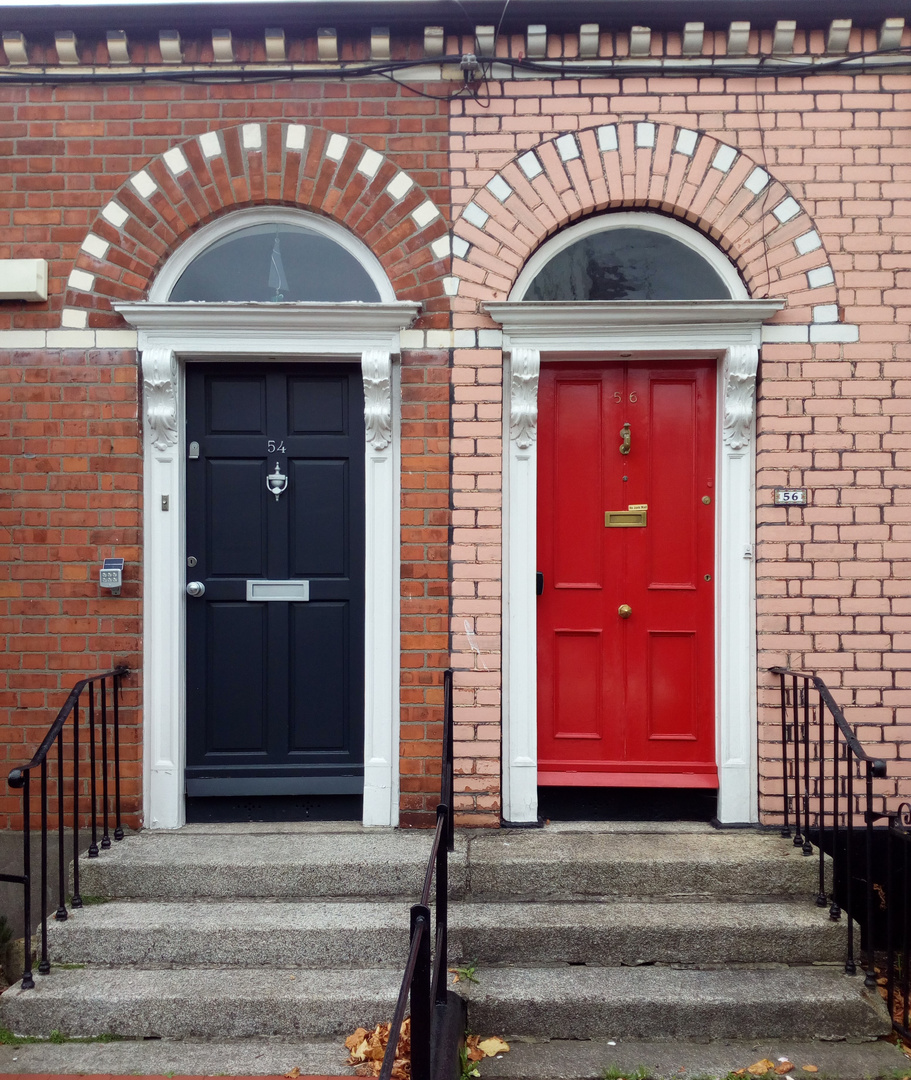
[
  {"x": 555, "y": 1059},
  {"x": 180, "y": 1057},
  {"x": 695, "y": 861},
  {"x": 240, "y": 864},
  {"x": 668, "y": 1003},
  {"x": 678, "y": 1060},
  {"x": 207, "y": 1003},
  {"x": 335, "y": 934},
  {"x": 557, "y": 1002}
]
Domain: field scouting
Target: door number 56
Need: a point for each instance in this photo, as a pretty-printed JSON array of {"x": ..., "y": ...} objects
[
  {"x": 618, "y": 397},
  {"x": 790, "y": 496}
]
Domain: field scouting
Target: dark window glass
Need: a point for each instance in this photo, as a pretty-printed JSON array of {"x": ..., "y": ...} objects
[
  {"x": 628, "y": 264},
  {"x": 268, "y": 263}
]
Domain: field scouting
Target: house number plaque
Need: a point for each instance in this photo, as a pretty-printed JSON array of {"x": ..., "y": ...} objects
[{"x": 790, "y": 496}]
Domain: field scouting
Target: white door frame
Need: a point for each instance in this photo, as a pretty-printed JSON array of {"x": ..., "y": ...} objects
[
  {"x": 169, "y": 336},
  {"x": 730, "y": 331}
]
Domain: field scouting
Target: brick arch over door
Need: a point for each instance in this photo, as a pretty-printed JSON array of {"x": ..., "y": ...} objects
[
  {"x": 715, "y": 187},
  {"x": 256, "y": 165}
]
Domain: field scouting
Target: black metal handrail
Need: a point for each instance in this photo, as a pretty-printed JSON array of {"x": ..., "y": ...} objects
[
  {"x": 20, "y": 778},
  {"x": 845, "y": 747},
  {"x": 424, "y": 983}
]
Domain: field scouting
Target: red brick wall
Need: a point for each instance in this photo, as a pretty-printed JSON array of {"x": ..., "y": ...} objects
[
  {"x": 72, "y": 496},
  {"x": 425, "y": 578},
  {"x": 71, "y": 414}
]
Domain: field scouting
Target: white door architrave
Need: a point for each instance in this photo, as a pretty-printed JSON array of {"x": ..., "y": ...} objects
[
  {"x": 170, "y": 334},
  {"x": 730, "y": 331}
]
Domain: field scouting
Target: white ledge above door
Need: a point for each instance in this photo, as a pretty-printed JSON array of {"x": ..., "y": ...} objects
[
  {"x": 568, "y": 325},
  {"x": 224, "y": 329}
]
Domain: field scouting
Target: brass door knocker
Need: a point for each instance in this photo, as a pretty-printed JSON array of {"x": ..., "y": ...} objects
[{"x": 625, "y": 436}]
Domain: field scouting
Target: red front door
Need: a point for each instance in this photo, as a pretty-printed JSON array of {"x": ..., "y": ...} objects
[{"x": 626, "y": 510}]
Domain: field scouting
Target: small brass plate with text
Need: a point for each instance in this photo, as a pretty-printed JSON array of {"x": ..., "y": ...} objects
[{"x": 625, "y": 519}]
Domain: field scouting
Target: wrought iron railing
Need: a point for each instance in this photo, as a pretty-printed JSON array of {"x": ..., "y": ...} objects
[
  {"x": 826, "y": 801},
  {"x": 424, "y": 982},
  {"x": 103, "y": 750}
]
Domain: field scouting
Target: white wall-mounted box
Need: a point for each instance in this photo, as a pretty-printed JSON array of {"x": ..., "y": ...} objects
[{"x": 23, "y": 279}]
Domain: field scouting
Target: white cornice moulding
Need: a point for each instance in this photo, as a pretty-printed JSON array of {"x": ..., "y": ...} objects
[
  {"x": 23, "y": 279},
  {"x": 568, "y": 325},
  {"x": 202, "y": 329}
]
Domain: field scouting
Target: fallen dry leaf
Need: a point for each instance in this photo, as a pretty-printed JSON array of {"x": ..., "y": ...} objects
[
  {"x": 493, "y": 1046},
  {"x": 784, "y": 1067},
  {"x": 473, "y": 1051},
  {"x": 292, "y": 1074},
  {"x": 760, "y": 1068},
  {"x": 810, "y": 1068},
  {"x": 739, "y": 1072},
  {"x": 366, "y": 1050},
  {"x": 356, "y": 1039}
]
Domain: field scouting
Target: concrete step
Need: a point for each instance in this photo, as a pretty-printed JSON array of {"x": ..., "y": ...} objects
[
  {"x": 682, "y": 861},
  {"x": 566, "y": 1059},
  {"x": 587, "y": 860},
  {"x": 558, "y": 1059},
  {"x": 335, "y": 934},
  {"x": 208, "y": 1003},
  {"x": 244, "y": 862},
  {"x": 671, "y": 1003},
  {"x": 183, "y": 1057},
  {"x": 565, "y": 1002}
]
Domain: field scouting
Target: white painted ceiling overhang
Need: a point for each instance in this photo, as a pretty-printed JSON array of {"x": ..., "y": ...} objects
[{"x": 729, "y": 330}]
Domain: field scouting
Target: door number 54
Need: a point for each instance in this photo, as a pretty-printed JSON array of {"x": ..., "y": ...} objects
[{"x": 273, "y": 447}]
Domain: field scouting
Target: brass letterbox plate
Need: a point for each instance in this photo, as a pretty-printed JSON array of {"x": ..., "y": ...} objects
[{"x": 625, "y": 519}]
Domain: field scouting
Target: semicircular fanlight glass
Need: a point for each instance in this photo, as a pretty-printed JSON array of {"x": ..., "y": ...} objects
[
  {"x": 628, "y": 264},
  {"x": 269, "y": 263}
]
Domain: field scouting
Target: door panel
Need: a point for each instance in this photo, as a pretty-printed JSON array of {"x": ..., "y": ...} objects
[
  {"x": 275, "y": 689},
  {"x": 577, "y": 471},
  {"x": 626, "y": 701},
  {"x": 236, "y": 702},
  {"x": 577, "y": 702},
  {"x": 672, "y": 675},
  {"x": 320, "y": 527},
  {"x": 320, "y": 703},
  {"x": 234, "y": 495}
]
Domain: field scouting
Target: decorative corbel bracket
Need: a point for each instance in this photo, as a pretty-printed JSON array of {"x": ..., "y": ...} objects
[
  {"x": 376, "y": 369},
  {"x": 741, "y": 363},
  {"x": 525, "y": 367},
  {"x": 159, "y": 383}
]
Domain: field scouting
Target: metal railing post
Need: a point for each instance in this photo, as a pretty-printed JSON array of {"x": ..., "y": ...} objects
[
  {"x": 420, "y": 996},
  {"x": 786, "y": 825},
  {"x": 28, "y": 981},
  {"x": 870, "y": 975}
]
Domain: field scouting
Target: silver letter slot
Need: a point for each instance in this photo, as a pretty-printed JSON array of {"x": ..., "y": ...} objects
[{"x": 298, "y": 589}]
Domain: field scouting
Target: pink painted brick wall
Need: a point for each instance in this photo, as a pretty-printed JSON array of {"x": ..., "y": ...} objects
[{"x": 832, "y": 578}]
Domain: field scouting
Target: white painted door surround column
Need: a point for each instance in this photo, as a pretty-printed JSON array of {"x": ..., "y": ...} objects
[
  {"x": 729, "y": 330},
  {"x": 170, "y": 335}
]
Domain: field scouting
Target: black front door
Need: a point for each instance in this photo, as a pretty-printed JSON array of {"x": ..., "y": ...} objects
[{"x": 275, "y": 644}]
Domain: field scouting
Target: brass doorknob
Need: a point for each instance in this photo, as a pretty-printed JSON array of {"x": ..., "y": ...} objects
[{"x": 624, "y": 611}]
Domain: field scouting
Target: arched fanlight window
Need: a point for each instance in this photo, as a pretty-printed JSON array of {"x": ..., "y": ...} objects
[
  {"x": 627, "y": 263},
  {"x": 275, "y": 262}
]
